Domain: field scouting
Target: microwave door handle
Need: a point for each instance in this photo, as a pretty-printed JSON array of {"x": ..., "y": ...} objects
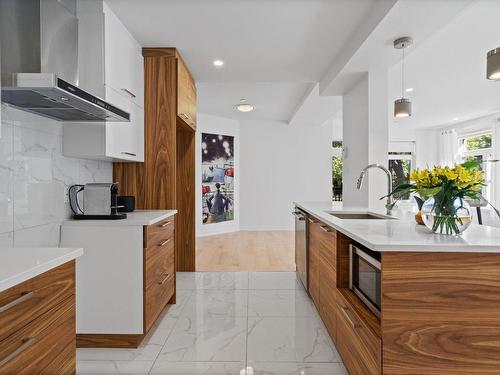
[{"x": 360, "y": 253}]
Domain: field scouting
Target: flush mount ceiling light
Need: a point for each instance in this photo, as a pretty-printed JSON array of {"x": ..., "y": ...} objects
[
  {"x": 218, "y": 63},
  {"x": 409, "y": 89},
  {"x": 402, "y": 107},
  {"x": 493, "y": 64},
  {"x": 243, "y": 106}
]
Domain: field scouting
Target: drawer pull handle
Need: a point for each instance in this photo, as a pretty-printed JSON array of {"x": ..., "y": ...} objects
[
  {"x": 325, "y": 228},
  {"x": 312, "y": 221},
  {"x": 351, "y": 322},
  {"x": 165, "y": 224},
  {"x": 129, "y": 92},
  {"x": 26, "y": 343},
  {"x": 163, "y": 243},
  {"x": 24, "y": 297},
  {"x": 164, "y": 279}
]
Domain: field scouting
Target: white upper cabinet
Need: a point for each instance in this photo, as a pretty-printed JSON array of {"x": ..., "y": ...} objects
[
  {"x": 125, "y": 140},
  {"x": 111, "y": 66},
  {"x": 123, "y": 59}
]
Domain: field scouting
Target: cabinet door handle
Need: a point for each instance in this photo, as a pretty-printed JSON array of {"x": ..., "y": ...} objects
[
  {"x": 165, "y": 224},
  {"x": 26, "y": 343},
  {"x": 162, "y": 281},
  {"x": 325, "y": 228},
  {"x": 128, "y": 153},
  {"x": 351, "y": 322},
  {"x": 163, "y": 243},
  {"x": 130, "y": 93},
  {"x": 24, "y": 297},
  {"x": 312, "y": 221}
]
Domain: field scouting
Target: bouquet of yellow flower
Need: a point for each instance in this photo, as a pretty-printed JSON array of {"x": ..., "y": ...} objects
[{"x": 445, "y": 190}]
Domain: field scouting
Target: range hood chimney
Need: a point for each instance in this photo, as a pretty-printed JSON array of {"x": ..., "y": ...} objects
[{"x": 39, "y": 61}]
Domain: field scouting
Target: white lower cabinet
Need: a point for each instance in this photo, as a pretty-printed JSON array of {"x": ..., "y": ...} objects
[{"x": 120, "y": 141}]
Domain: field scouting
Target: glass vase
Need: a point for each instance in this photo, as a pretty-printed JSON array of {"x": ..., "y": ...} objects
[{"x": 450, "y": 218}]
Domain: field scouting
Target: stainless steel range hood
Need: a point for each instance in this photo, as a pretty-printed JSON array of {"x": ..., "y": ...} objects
[{"x": 39, "y": 42}]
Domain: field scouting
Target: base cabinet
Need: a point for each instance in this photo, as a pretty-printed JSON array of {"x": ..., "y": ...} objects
[
  {"x": 356, "y": 341},
  {"x": 37, "y": 325},
  {"x": 124, "y": 281}
]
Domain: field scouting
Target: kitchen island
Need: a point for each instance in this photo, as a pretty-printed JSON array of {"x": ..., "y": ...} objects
[{"x": 439, "y": 296}]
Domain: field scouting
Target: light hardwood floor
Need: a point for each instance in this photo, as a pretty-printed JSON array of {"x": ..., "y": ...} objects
[{"x": 246, "y": 251}]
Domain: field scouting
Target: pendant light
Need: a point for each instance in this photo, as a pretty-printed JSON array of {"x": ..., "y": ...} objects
[
  {"x": 402, "y": 107},
  {"x": 493, "y": 64}
]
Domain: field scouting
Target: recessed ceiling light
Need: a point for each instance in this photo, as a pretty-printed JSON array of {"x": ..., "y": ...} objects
[
  {"x": 455, "y": 118},
  {"x": 243, "y": 106},
  {"x": 218, "y": 63},
  {"x": 409, "y": 89}
]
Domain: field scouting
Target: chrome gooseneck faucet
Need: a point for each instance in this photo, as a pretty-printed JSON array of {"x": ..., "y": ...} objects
[{"x": 390, "y": 201}]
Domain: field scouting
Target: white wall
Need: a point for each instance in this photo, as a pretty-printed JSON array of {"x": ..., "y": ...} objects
[
  {"x": 355, "y": 141},
  {"x": 365, "y": 135},
  {"x": 217, "y": 125},
  {"x": 281, "y": 164},
  {"x": 34, "y": 178}
]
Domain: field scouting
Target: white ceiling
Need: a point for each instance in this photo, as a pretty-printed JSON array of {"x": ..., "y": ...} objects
[
  {"x": 274, "y": 50},
  {"x": 448, "y": 71}
]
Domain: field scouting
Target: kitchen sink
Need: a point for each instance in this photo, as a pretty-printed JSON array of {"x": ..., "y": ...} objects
[{"x": 360, "y": 215}]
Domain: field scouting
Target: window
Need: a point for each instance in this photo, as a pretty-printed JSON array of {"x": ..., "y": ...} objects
[
  {"x": 401, "y": 162},
  {"x": 337, "y": 170},
  {"x": 479, "y": 147}
]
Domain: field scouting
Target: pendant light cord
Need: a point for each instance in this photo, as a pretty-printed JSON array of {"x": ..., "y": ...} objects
[{"x": 403, "y": 74}]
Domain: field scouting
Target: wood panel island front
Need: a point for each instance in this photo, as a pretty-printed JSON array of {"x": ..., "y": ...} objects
[{"x": 439, "y": 295}]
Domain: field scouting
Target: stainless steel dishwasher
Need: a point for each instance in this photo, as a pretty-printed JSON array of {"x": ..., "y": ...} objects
[{"x": 301, "y": 245}]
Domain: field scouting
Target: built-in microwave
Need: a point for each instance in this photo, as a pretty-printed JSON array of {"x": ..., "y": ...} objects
[{"x": 365, "y": 275}]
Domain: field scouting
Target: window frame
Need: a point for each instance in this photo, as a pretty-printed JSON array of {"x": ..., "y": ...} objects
[{"x": 485, "y": 153}]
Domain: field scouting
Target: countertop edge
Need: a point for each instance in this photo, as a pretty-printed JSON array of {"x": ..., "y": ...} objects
[
  {"x": 399, "y": 248},
  {"x": 129, "y": 221},
  {"x": 40, "y": 268}
]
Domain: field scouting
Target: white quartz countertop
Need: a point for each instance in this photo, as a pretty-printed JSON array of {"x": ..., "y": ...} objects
[
  {"x": 404, "y": 234},
  {"x": 138, "y": 217},
  {"x": 20, "y": 264}
]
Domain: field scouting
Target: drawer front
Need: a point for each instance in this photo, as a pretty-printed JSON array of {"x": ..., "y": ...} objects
[
  {"x": 359, "y": 347},
  {"x": 325, "y": 238},
  {"x": 46, "y": 346},
  {"x": 156, "y": 298},
  {"x": 328, "y": 304},
  {"x": 155, "y": 234},
  {"x": 25, "y": 302},
  {"x": 160, "y": 263}
]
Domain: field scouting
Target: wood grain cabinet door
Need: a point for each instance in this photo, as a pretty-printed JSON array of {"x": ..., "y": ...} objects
[
  {"x": 46, "y": 346},
  {"x": 313, "y": 270},
  {"x": 24, "y": 302},
  {"x": 327, "y": 293},
  {"x": 186, "y": 95}
]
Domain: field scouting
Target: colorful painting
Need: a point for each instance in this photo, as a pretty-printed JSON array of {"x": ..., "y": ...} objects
[{"x": 217, "y": 177}]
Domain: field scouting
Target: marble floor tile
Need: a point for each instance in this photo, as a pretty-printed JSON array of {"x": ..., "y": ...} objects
[
  {"x": 289, "y": 339},
  {"x": 174, "y": 310},
  {"x": 274, "y": 280},
  {"x": 213, "y": 303},
  {"x": 113, "y": 367},
  {"x": 284, "y": 368},
  {"x": 280, "y": 303},
  {"x": 186, "y": 280},
  {"x": 147, "y": 352},
  {"x": 198, "y": 368},
  {"x": 222, "y": 280},
  {"x": 160, "y": 331},
  {"x": 206, "y": 339}
]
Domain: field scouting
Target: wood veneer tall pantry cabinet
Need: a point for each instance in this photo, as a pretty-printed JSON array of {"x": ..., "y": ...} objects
[{"x": 166, "y": 179}]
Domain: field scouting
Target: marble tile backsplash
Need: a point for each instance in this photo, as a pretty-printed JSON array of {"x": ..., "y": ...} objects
[{"x": 34, "y": 179}]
